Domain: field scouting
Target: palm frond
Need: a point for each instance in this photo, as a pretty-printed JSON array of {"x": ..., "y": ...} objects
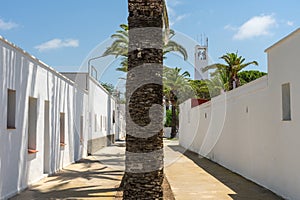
[
  {"x": 165, "y": 19},
  {"x": 173, "y": 46},
  {"x": 124, "y": 27}
]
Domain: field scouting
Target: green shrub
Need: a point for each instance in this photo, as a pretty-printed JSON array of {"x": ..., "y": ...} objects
[{"x": 168, "y": 120}]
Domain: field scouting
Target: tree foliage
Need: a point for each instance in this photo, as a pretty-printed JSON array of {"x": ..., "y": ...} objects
[
  {"x": 206, "y": 89},
  {"x": 168, "y": 121},
  {"x": 108, "y": 86},
  {"x": 248, "y": 76},
  {"x": 176, "y": 89},
  {"x": 119, "y": 47},
  {"x": 225, "y": 77},
  {"x": 176, "y": 84},
  {"x": 228, "y": 73}
]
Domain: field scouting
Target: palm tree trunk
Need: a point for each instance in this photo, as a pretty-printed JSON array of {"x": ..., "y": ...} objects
[
  {"x": 174, "y": 120},
  {"x": 167, "y": 103},
  {"x": 237, "y": 82},
  {"x": 230, "y": 75},
  {"x": 230, "y": 84},
  {"x": 144, "y": 120}
]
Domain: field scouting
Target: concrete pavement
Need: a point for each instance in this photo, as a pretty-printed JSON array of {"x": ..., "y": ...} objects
[
  {"x": 190, "y": 177},
  {"x": 87, "y": 179}
]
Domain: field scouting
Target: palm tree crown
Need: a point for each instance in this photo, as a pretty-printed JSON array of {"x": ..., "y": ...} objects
[
  {"x": 174, "y": 80},
  {"x": 176, "y": 86},
  {"x": 119, "y": 47},
  {"x": 229, "y": 71}
]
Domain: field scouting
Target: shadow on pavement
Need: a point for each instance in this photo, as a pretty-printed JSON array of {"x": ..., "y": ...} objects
[
  {"x": 72, "y": 193},
  {"x": 86, "y": 179},
  {"x": 244, "y": 189}
]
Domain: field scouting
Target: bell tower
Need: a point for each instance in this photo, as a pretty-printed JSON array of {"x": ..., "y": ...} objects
[{"x": 201, "y": 60}]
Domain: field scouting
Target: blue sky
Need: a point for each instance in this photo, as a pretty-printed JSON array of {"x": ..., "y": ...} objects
[{"x": 64, "y": 33}]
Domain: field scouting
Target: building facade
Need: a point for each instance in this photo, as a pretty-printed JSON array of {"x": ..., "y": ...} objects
[{"x": 48, "y": 120}]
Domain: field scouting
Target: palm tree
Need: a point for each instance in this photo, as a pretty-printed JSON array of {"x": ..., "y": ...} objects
[
  {"x": 119, "y": 47},
  {"x": 144, "y": 146},
  {"x": 229, "y": 72},
  {"x": 175, "y": 86}
]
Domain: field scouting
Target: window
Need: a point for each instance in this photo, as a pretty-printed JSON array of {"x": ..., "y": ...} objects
[
  {"x": 62, "y": 129},
  {"x": 11, "y": 109},
  {"x": 32, "y": 124},
  {"x": 113, "y": 117},
  {"x": 286, "y": 102}
]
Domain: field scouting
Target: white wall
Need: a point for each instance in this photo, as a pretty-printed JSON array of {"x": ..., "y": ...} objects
[
  {"x": 31, "y": 78},
  {"x": 101, "y": 104},
  {"x": 256, "y": 144},
  {"x": 121, "y": 122}
]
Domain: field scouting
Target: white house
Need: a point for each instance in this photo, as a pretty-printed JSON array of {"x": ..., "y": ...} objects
[
  {"x": 102, "y": 109},
  {"x": 254, "y": 129},
  {"x": 48, "y": 120}
]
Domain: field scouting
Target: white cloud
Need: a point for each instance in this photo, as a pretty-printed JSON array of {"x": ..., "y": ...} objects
[
  {"x": 56, "y": 44},
  {"x": 178, "y": 19},
  {"x": 256, "y": 26},
  {"x": 230, "y": 27},
  {"x": 7, "y": 25},
  {"x": 290, "y": 23}
]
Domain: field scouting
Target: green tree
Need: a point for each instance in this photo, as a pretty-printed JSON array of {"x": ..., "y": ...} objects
[
  {"x": 176, "y": 86},
  {"x": 229, "y": 72},
  {"x": 248, "y": 76},
  {"x": 143, "y": 176},
  {"x": 168, "y": 120},
  {"x": 108, "y": 86},
  {"x": 207, "y": 89},
  {"x": 200, "y": 89},
  {"x": 119, "y": 47}
]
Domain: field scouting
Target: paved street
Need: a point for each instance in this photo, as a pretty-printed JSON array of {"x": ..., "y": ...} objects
[
  {"x": 87, "y": 179},
  {"x": 194, "y": 177},
  {"x": 190, "y": 176}
]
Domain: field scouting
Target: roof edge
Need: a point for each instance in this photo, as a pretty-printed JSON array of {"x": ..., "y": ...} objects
[
  {"x": 41, "y": 63},
  {"x": 283, "y": 39}
]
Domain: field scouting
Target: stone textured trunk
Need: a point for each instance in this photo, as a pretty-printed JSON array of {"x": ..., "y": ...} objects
[{"x": 144, "y": 95}]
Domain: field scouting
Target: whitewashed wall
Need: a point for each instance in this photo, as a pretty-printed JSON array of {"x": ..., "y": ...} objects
[
  {"x": 101, "y": 106},
  {"x": 244, "y": 130},
  {"x": 31, "y": 78},
  {"x": 121, "y": 122}
]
